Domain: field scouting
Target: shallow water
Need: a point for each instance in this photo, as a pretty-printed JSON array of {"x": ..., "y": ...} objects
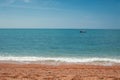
[{"x": 60, "y": 44}]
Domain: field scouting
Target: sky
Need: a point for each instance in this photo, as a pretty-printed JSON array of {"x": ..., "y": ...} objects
[{"x": 88, "y": 14}]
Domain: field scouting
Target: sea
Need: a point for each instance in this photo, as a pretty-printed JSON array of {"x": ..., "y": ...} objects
[{"x": 60, "y": 45}]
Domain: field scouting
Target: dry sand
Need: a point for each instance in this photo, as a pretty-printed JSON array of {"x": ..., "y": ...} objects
[{"x": 9, "y": 71}]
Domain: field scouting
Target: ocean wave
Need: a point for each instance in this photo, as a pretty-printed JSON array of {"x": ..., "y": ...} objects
[{"x": 58, "y": 59}]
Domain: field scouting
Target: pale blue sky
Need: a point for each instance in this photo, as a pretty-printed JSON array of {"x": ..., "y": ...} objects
[{"x": 60, "y": 14}]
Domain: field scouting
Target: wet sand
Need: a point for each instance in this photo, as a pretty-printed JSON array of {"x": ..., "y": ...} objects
[{"x": 10, "y": 71}]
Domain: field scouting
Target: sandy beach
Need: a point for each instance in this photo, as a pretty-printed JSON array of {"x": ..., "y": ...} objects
[{"x": 11, "y": 71}]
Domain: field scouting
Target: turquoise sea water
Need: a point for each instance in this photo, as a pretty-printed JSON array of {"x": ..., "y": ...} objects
[{"x": 60, "y": 44}]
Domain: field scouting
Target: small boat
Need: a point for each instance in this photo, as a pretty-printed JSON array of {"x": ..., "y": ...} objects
[{"x": 82, "y": 31}]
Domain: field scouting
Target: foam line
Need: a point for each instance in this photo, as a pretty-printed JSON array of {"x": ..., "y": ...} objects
[{"x": 62, "y": 59}]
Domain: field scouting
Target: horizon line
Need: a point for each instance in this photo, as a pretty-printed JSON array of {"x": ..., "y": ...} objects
[{"x": 63, "y": 28}]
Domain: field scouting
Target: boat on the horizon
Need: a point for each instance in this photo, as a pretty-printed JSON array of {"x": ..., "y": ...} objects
[{"x": 82, "y": 31}]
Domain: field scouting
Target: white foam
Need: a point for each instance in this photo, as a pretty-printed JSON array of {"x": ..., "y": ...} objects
[{"x": 60, "y": 59}]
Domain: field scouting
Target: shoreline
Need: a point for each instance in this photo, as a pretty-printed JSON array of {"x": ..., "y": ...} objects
[
  {"x": 54, "y": 63},
  {"x": 60, "y": 59},
  {"x": 13, "y": 71}
]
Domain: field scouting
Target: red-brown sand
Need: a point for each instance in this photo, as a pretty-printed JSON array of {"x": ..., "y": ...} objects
[{"x": 9, "y": 71}]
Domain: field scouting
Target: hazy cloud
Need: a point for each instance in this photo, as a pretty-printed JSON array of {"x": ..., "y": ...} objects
[
  {"x": 37, "y": 8},
  {"x": 6, "y": 2},
  {"x": 36, "y": 4},
  {"x": 11, "y": 2},
  {"x": 26, "y": 1}
]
